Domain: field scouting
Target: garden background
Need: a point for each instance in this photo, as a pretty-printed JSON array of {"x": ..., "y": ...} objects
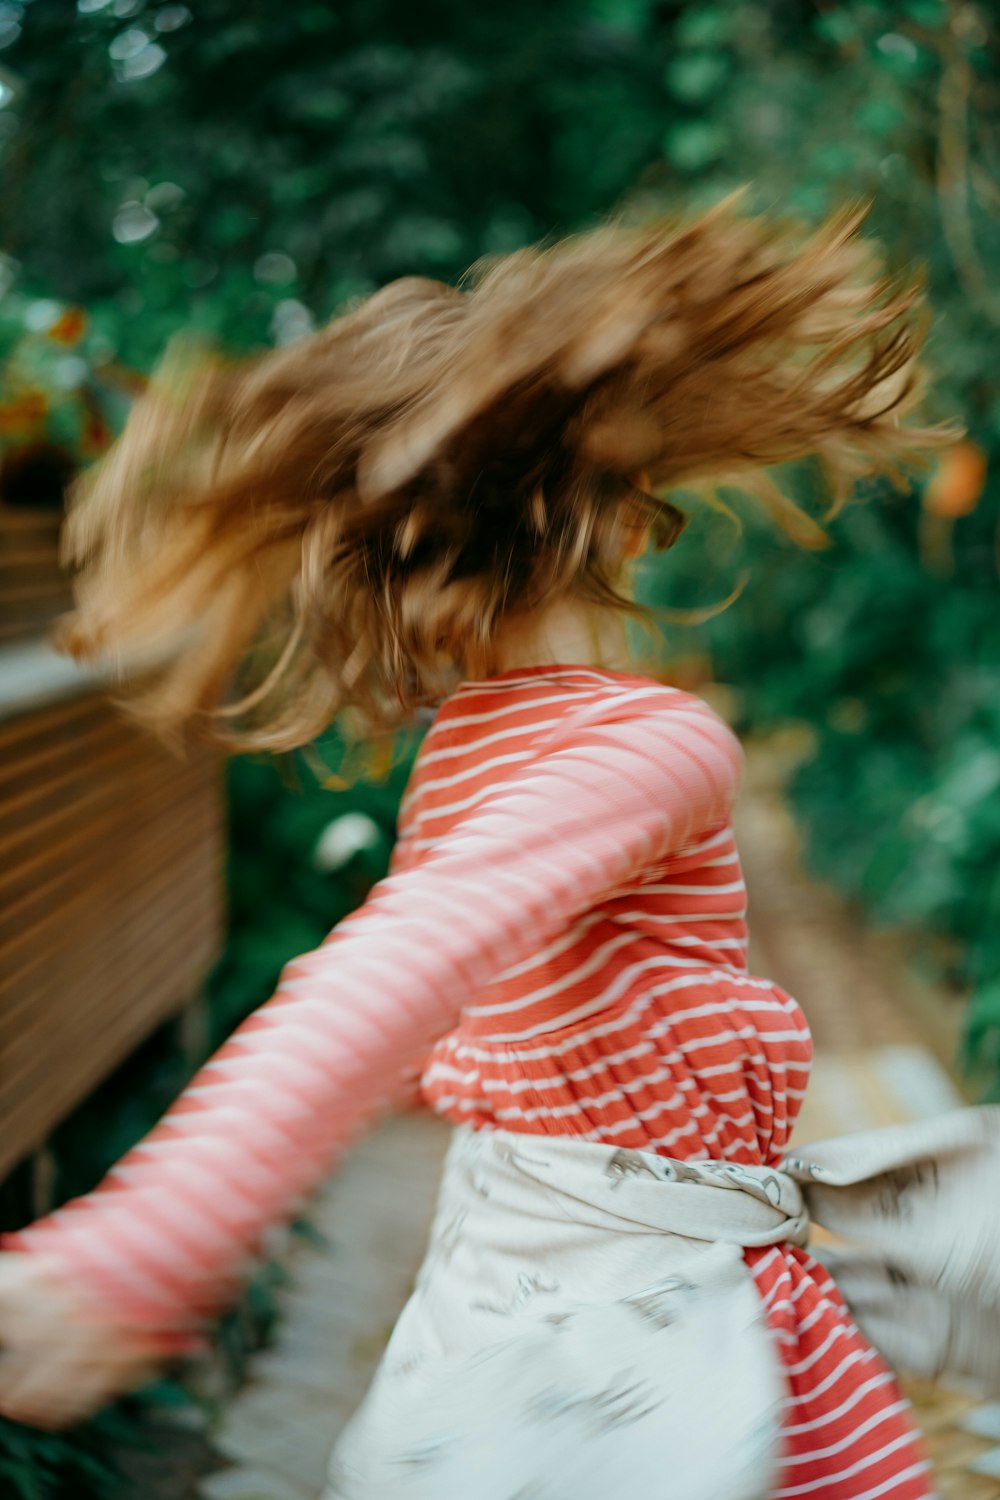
[{"x": 247, "y": 169}]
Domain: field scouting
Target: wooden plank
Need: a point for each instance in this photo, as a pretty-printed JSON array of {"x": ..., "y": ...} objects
[
  {"x": 40, "y": 818},
  {"x": 25, "y": 550},
  {"x": 111, "y": 901},
  {"x": 37, "y": 814},
  {"x": 52, "y": 1057},
  {"x": 41, "y": 722},
  {"x": 46, "y": 522},
  {"x": 114, "y": 964},
  {"x": 31, "y": 568},
  {"x": 120, "y": 813},
  {"x": 35, "y": 775},
  {"x": 150, "y": 902},
  {"x": 35, "y": 588},
  {"x": 121, "y": 976},
  {"x": 147, "y": 867},
  {"x": 48, "y": 590},
  {"x": 69, "y": 1073},
  {"x": 32, "y": 622},
  {"x": 63, "y": 1040},
  {"x": 202, "y": 826},
  {"x": 164, "y": 844},
  {"x": 57, "y": 1064}
]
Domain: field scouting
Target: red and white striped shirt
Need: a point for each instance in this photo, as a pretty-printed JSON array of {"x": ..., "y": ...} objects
[{"x": 562, "y": 939}]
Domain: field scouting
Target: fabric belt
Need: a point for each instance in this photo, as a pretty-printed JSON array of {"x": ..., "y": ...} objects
[
  {"x": 585, "y": 1322},
  {"x": 917, "y": 1207}
]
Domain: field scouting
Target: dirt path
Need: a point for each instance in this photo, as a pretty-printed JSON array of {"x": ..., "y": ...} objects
[{"x": 885, "y": 1045}]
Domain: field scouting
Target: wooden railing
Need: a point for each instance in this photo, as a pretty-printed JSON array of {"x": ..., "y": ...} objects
[
  {"x": 33, "y": 588},
  {"x": 111, "y": 870}
]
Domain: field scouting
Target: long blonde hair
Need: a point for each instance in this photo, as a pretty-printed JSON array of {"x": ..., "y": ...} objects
[{"x": 345, "y": 523}]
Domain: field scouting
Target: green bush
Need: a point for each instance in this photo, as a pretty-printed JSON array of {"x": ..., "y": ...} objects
[{"x": 888, "y": 645}]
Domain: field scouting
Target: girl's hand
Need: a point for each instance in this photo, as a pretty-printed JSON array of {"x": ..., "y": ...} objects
[{"x": 59, "y": 1361}]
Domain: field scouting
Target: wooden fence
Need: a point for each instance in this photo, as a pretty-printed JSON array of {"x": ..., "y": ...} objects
[
  {"x": 34, "y": 590},
  {"x": 111, "y": 863}
]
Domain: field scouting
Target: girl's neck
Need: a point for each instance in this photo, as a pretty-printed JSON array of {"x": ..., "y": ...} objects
[{"x": 568, "y": 633}]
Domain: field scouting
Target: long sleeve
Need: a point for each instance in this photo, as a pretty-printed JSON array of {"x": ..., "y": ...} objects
[{"x": 164, "y": 1239}]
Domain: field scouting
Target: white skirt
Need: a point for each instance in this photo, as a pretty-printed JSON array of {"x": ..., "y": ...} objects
[{"x": 560, "y": 1345}]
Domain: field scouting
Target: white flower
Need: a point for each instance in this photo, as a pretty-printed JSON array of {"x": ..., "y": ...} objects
[{"x": 341, "y": 840}]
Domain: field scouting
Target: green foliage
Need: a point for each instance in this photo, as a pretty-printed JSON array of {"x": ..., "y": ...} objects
[
  {"x": 302, "y": 855},
  {"x": 888, "y": 645},
  {"x": 247, "y": 172},
  {"x": 49, "y": 1466}
]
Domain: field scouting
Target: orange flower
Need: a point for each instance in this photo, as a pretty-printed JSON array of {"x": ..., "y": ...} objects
[
  {"x": 23, "y": 411},
  {"x": 96, "y": 435},
  {"x": 69, "y": 327},
  {"x": 957, "y": 483}
]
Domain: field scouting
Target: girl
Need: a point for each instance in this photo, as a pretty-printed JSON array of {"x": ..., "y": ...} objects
[{"x": 434, "y": 498}]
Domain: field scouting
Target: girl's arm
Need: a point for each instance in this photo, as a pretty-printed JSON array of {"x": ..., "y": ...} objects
[{"x": 165, "y": 1238}]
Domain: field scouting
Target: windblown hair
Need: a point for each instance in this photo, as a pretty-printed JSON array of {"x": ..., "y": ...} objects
[{"x": 346, "y": 522}]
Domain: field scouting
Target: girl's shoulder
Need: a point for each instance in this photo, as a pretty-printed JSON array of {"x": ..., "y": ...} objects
[
  {"x": 556, "y": 691},
  {"x": 541, "y": 706}
]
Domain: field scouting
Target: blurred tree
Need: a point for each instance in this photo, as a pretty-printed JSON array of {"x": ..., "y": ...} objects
[
  {"x": 888, "y": 645},
  {"x": 248, "y": 170}
]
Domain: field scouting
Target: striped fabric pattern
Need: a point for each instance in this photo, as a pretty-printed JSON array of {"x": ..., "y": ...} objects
[
  {"x": 561, "y": 943},
  {"x": 639, "y": 1025}
]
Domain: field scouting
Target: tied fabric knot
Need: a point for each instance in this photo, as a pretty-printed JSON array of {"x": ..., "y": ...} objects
[
  {"x": 770, "y": 1210},
  {"x": 915, "y": 1209},
  {"x": 918, "y": 1209}
]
